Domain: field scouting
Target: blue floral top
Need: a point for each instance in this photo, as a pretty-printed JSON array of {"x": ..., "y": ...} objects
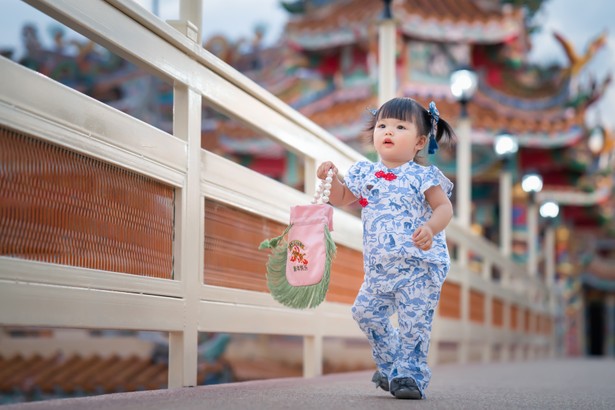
[{"x": 394, "y": 206}]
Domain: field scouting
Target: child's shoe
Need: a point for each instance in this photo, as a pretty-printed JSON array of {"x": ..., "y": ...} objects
[
  {"x": 405, "y": 388},
  {"x": 381, "y": 381}
]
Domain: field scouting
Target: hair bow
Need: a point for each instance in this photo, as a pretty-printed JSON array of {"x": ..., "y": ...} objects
[{"x": 435, "y": 117}]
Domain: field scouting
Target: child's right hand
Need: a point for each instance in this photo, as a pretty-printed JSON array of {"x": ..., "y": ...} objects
[{"x": 324, "y": 168}]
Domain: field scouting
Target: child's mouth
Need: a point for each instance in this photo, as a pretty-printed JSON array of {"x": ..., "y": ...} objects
[{"x": 387, "y": 141}]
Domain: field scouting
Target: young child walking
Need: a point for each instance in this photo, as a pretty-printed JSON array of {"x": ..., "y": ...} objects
[{"x": 406, "y": 207}]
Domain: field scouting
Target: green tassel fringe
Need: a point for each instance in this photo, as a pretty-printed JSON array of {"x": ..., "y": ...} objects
[{"x": 297, "y": 297}]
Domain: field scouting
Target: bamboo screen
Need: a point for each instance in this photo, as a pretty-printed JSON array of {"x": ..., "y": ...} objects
[
  {"x": 498, "y": 312},
  {"x": 62, "y": 207},
  {"x": 477, "y": 306},
  {"x": 450, "y": 300}
]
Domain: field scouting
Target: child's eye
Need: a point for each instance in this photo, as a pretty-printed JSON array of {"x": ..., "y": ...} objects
[
  {"x": 401, "y": 127},
  {"x": 380, "y": 126}
]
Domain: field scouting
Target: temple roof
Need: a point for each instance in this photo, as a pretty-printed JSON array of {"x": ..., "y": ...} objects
[
  {"x": 346, "y": 22},
  {"x": 458, "y": 20}
]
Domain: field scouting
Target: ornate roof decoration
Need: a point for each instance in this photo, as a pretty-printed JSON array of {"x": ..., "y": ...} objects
[
  {"x": 558, "y": 98},
  {"x": 347, "y": 22},
  {"x": 333, "y": 25},
  {"x": 577, "y": 61},
  {"x": 458, "y": 21}
]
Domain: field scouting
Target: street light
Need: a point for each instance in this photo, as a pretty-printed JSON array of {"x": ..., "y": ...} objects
[
  {"x": 506, "y": 146},
  {"x": 463, "y": 83},
  {"x": 595, "y": 142},
  {"x": 532, "y": 184},
  {"x": 549, "y": 211}
]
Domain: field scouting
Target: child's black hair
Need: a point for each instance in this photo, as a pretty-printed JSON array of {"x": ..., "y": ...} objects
[{"x": 407, "y": 109}]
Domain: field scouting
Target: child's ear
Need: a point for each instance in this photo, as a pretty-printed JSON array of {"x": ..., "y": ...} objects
[{"x": 421, "y": 142}]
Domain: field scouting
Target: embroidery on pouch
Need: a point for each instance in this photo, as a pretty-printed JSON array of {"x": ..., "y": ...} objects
[{"x": 297, "y": 255}]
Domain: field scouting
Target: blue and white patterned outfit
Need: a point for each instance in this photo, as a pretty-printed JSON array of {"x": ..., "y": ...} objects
[{"x": 399, "y": 277}]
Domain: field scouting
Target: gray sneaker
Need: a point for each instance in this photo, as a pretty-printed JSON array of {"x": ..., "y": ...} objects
[
  {"x": 380, "y": 380},
  {"x": 405, "y": 388}
]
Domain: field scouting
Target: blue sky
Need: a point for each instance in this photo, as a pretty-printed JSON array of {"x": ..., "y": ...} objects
[{"x": 579, "y": 21}]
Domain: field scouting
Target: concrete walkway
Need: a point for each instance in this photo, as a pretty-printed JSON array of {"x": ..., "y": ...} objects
[{"x": 563, "y": 384}]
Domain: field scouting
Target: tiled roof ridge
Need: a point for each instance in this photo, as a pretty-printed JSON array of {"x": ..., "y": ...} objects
[
  {"x": 345, "y": 22},
  {"x": 528, "y": 112},
  {"x": 462, "y": 22},
  {"x": 537, "y": 101}
]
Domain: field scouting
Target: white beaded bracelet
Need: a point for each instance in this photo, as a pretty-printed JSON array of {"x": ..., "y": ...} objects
[{"x": 324, "y": 189}]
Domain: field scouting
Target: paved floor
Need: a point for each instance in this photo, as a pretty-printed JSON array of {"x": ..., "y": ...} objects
[{"x": 563, "y": 384}]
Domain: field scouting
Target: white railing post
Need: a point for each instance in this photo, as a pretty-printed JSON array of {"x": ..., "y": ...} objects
[
  {"x": 192, "y": 11},
  {"x": 464, "y": 181},
  {"x": 464, "y": 348},
  {"x": 190, "y": 20},
  {"x": 189, "y": 239},
  {"x": 488, "y": 308},
  {"x": 506, "y": 211},
  {"x": 312, "y": 355},
  {"x": 523, "y": 346},
  {"x": 309, "y": 177},
  {"x": 531, "y": 335},
  {"x": 550, "y": 269},
  {"x": 506, "y": 330},
  {"x": 190, "y": 226},
  {"x": 532, "y": 238}
]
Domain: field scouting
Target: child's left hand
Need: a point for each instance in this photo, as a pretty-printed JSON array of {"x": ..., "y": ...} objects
[{"x": 423, "y": 238}]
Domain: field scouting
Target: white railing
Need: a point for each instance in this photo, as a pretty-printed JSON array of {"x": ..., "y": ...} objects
[{"x": 45, "y": 294}]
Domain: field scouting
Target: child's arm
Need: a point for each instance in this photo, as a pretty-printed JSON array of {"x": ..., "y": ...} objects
[
  {"x": 440, "y": 217},
  {"x": 340, "y": 194}
]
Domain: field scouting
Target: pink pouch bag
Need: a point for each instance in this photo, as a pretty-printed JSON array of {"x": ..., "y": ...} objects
[
  {"x": 299, "y": 266},
  {"x": 307, "y": 253}
]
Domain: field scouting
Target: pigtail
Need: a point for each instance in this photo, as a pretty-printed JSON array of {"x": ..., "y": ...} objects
[
  {"x": 438, "y": 128},
  {"x": 445, "y": 132}
]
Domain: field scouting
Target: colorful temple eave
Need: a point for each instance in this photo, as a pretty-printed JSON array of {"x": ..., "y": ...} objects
[
  {"x": 452, "y": 30},
  {"x": 345, "y": 23}
]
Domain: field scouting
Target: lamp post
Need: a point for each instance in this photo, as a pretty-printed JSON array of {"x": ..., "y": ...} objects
[
  {"x": 595, "y": 143},
  {"x": 386, "y": 55},
  {"x": 464, "y": 83},
  {"x": 506, "y": 146},
  {"x": 549, "y": 211},
  {"x": 532, "y": 184}
]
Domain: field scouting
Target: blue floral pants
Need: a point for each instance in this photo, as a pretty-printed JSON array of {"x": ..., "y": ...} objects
[{"x": 400, "y": 352}]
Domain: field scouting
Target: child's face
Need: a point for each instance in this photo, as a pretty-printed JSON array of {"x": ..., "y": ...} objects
[{"x": 397, "y": 141}]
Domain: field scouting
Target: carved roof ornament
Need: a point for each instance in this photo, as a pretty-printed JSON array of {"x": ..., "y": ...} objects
[{"x": 578, "y": 61}]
